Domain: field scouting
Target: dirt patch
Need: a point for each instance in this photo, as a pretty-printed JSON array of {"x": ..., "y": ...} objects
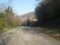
[{"x": 53, "y": 35}]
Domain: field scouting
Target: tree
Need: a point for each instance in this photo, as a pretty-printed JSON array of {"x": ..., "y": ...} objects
[
  {"x": 48, "y": 13},
  {"x": 10, "y": 17},
  {"x": 7, "y": 17}
]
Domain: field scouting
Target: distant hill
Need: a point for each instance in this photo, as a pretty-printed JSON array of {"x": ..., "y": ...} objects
[{"x": 30, "y": 16}]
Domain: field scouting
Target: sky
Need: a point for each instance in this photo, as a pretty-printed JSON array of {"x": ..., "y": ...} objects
[{"x": 21, "y": 7}]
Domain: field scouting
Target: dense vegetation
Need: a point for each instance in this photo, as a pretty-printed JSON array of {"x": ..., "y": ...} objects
[
  {"x": 48, "y": 13},
  {"x": 7, "y": 19}
]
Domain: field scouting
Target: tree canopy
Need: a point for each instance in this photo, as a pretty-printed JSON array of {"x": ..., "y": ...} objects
[{"x": 48, "y": 13}]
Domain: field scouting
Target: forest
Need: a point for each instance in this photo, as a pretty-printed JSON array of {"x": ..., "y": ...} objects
[
  {"x": 48, "y": 14},
  {"x": 8, "y": 19}
]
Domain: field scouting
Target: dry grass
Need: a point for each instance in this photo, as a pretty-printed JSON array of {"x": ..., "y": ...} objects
[{"x": 49, "y": 32}]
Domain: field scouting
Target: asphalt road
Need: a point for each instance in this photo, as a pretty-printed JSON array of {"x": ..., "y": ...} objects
[{"x": 26, "y": 36}]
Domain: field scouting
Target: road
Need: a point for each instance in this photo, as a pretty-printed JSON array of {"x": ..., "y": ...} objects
[{"x": 26, "y": 36}]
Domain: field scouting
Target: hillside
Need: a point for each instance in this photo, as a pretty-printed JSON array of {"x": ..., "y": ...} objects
[{"x": 30, "y": 16}]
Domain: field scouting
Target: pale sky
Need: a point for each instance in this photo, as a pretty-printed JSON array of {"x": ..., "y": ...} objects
[{"x": 21, "y": 7}]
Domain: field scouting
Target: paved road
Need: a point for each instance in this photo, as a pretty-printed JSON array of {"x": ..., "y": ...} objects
[{"x": 26, "y": 36}]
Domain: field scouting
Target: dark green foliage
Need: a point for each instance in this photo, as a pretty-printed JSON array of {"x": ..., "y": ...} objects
[
  {"x": 2, "y": 24},
  {"x": 48, "y": 13},
  {"x": 1, "y": 15}
]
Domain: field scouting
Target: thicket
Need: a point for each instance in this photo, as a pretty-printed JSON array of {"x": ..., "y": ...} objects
[
  {"x": 8, "y": 19},
  {"x": 48, "y": 14}
]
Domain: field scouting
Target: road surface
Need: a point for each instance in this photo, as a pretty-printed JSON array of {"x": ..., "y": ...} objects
[{"x": 26, "y": 36}]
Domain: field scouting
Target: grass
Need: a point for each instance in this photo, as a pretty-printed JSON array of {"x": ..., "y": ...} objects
[{"x": 6, "y": 29}]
